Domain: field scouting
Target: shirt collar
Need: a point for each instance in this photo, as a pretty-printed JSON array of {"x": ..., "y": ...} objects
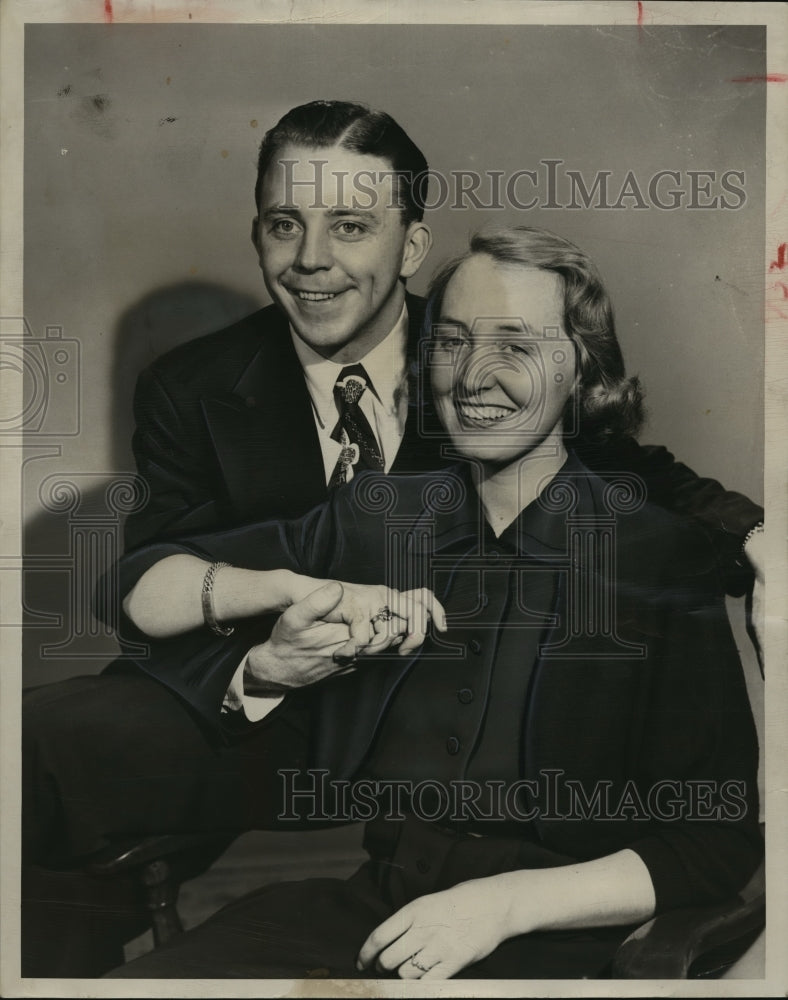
[
  {"x": 538, "y": 530},
  {"x": 386, "y": 365}
]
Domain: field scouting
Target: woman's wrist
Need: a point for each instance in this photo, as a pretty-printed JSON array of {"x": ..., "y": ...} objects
[
  {"x": 294, "y": 587},
  {"x": 516, "y": 902},
  {"x": 245, "y": 593},
  {"x": 754, "y": 548}
]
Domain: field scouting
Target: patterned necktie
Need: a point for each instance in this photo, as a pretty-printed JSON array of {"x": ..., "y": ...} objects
[{"x": 359, "y": 447}]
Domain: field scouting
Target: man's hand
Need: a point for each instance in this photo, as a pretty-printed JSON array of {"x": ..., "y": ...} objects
[
  {"x": 325, "y": 632},
  {"x": 436, "y": 936}
]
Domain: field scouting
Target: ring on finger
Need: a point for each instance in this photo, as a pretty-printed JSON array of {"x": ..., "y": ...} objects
[
  {"x": 385, "y": 614},
  {"x": 419, "y": 966}
]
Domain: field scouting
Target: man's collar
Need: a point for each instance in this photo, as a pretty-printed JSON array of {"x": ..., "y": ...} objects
[{"x": 385, "y": 365}]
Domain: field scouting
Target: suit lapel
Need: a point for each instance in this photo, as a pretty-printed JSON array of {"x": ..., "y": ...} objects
[
  {"x": 264, "y": 435},
  {"x": 419, "y": 450}
]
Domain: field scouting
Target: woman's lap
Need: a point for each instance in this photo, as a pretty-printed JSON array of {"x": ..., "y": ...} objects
[{"x": 315, "y": 929}]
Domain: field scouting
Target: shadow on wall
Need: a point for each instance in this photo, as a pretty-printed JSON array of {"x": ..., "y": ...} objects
[
  {"x": 74, "y": 513},
  {"x": 161, "y": 320}
]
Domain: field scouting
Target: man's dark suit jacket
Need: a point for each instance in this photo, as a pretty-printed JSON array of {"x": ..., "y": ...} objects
[
  {"x": 225, "y": 432},
  {"x": 673, "y": 710}
]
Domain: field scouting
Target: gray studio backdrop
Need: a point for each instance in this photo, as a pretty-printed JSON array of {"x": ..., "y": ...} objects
[{"x": 139, "y": 170}]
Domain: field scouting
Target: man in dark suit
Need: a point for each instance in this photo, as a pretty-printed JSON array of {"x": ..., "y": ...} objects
[{"x": 259, "y": 421}]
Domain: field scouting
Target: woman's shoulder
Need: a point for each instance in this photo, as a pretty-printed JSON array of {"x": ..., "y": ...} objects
[
  {"x": 668, "y": 546},
  {"x": 650, "y": 541}
]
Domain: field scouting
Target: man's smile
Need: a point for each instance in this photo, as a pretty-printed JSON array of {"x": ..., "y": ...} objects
[{"x": 314, "y": 294}]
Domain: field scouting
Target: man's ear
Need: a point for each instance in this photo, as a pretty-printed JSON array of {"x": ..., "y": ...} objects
[
  {"x": 418, "y": 240},
  {"x": 256, "y": 233}
]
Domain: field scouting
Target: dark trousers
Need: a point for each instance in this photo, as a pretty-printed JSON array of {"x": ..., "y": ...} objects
[
  {"x": 315, "y": 928},
  {"x": 110, "y": 758},
  {"x": 117, "y": 756}
]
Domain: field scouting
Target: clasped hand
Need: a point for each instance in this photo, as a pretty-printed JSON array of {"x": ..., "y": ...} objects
[{"x": 328, "y": 630}]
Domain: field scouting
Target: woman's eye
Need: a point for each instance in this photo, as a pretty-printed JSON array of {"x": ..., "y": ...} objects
[
  {"x": 449, "y": 343},
  {"x": 516, "y": 348}
]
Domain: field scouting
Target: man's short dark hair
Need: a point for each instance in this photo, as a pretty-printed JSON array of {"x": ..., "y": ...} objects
[
  {"x": 610, "y": 402},
  {"x": 360, "y": 129}
]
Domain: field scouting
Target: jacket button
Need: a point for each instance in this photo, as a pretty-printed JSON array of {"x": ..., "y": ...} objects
[
  {"x": 453, "y": 745},
  {"x": 475, "y": 646},
  {"x": 465, "y": 696},
  {"x": 422, "y": 866}
]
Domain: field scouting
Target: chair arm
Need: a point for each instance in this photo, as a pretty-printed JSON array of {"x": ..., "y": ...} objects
[
  {"x": 129, "y": 854},
  {"x": 667, "y": 946}
]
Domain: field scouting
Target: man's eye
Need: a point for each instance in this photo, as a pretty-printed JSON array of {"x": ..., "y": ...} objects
[
  {"x": 350, "y": 229},
  {"x": 283, "y": 227}
]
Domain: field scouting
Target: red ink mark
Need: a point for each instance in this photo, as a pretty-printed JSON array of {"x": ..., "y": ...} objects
[
  {"x": 768, "y": 78},
  {"x": 781, "y": 285},
  {"x": 779, "y": 264},
  {"x": 108, "y": 11},
  {"x": 640, "y": 13}
]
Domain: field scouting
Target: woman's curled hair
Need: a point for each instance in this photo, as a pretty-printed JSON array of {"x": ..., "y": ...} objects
[{"x": 609, "y": 403}]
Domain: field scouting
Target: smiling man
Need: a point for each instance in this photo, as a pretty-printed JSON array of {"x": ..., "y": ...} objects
[
  {"x": 261, "y": 421},
  {"x": 335, "y": 267},
  {"x": 338, "y": 231}
]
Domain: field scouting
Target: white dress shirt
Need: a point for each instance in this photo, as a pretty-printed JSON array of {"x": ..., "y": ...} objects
[{"x": 385, "y": 405}]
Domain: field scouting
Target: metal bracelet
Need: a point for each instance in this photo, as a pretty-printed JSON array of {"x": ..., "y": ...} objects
[{"x": 208, "y": 614}]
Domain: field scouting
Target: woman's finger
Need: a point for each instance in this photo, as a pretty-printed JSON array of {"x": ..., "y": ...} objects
[
  {"x": 443, "y": 970},
  {"x": 418, "y": 964},
  {"x": 383, "y": 936},
  {"x": 399, "y": 953}
]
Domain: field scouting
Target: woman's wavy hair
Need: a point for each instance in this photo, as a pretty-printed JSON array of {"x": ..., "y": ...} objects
[{"x": 609, "y": 403}]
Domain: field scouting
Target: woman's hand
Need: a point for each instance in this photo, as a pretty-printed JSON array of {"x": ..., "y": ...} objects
[
  {"x": 327, "y": 630},
  {"x": 378, "y": 616},
  {"x": 436, "y": 936}
]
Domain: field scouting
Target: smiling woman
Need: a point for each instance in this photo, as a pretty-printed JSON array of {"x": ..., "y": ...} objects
[
  {"x": 538, "y": 289},
  {"x": 501, "y": 387},
  {"x": 524, "y": 358},
  {"x": 585, "y": 660}
]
